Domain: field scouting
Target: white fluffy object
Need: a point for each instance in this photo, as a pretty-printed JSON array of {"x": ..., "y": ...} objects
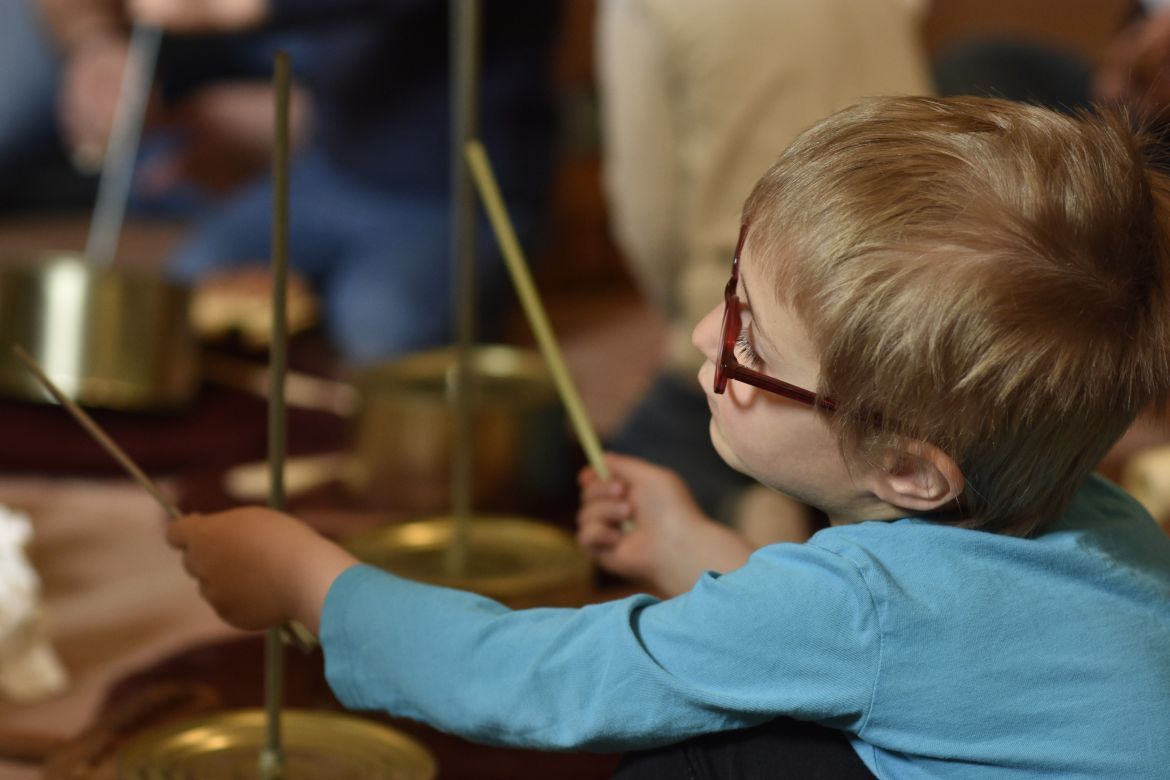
[{"x": 29, "y": 666}]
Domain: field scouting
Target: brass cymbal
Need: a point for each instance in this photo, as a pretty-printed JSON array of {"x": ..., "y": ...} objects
[
  {"x": 518, "y": 561},
  {"x": 316, "y": 745}
]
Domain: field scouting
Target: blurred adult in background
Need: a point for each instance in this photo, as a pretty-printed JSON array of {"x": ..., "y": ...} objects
[
  {"x": 1134, "y": 68},
  {"x": 1015, "y": 68},
  {"x": 369, "y": 208},
  {"x": 28, "y": 141},
  {"x": 209, "y": 128},
  {"x": 697, "y": 98}
]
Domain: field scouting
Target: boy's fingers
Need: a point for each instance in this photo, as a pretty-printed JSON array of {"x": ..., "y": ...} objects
[
  {"x": 602, "y": 489},
  {"x": 178, "y": 531},
  {"x": 621, "y": 464},
  {"x": 604, "y": 511},
  {"x": 586, "y": 476},
  {"x": 598, "y": 536},
  {"x": 177, "y": 534}
]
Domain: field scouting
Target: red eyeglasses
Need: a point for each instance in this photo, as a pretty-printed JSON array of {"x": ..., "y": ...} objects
[{"x": 728, "y": 367}]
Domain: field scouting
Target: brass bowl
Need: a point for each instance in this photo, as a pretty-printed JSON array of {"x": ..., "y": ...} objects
[
  {"x": 316, "y": 745},
  {"x": 519, "y": 562},
  {"x": 403, "y": 437},
  {"x": 106, "y": 336}
]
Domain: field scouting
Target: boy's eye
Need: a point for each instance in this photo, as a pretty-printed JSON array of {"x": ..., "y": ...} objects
[{"x": 748, "y": 356}]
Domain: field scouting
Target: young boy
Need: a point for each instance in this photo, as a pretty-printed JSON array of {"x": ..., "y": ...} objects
[{"x": 977, "y": 293}]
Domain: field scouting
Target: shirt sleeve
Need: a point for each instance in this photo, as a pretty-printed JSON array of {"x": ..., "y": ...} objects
[{"x": 794, "y": 632}]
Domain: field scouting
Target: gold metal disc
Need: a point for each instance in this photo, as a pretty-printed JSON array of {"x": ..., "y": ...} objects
[
  {"x": 518, "y": 561},
  {"x": 316, "y": 745}
]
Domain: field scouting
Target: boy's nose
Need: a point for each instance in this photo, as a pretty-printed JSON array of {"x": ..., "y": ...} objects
[{"x": 706, "y": 334}]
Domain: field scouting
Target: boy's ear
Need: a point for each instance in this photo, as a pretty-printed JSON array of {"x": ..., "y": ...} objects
[{"x": 918, "y": 476}]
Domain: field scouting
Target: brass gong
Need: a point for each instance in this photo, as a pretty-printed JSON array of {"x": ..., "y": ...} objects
[
  {"x": 517, "y": 561},
  {"x": 319, "y": 745}
]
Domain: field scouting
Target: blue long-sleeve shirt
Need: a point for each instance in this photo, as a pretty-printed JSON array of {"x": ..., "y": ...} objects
[{"x": 945, "y": 653}]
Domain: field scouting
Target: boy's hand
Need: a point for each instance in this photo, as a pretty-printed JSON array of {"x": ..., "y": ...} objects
[
  {"x": 644, "y": 524},
  {"x": 257, "y": 567}
]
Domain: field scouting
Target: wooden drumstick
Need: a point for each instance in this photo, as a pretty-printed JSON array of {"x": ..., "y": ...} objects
[
  {"x": 105, "y": 226},
  {"x": 293, "y": 631},
  {"x": 514, "y": 258},
  {"x": 108, "y": 444}
]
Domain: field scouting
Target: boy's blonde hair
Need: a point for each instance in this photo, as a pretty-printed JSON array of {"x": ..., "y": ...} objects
[{"x": 986, "y": 276}]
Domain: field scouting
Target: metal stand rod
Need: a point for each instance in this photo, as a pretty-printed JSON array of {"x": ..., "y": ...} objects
[
  {"x": 105, "y": 226},
  {"x": 493, "y": 202},
  {"x": 464, "y": 63},
  {"x": 272, "y": 756}
]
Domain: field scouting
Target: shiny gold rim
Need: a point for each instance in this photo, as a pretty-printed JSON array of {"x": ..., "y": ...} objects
[
  {"x": 316, "y": 745},
  {"x": 507, "y": 556}
]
